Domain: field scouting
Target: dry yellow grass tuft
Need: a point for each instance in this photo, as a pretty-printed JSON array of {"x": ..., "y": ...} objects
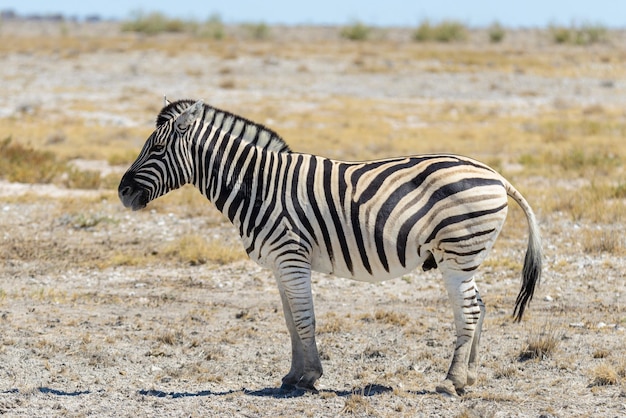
[
  {"x": 505, "y": 372},
  {"x": 194, "y": 250},
  {"x": 391, "y": 317},
  {"x": 125, "y": 258},
  {"x": 356, "y": 404},
  {"x": 601, "y": 353},
  {"x": 541, "y": 344},
  {"x": 597, "y": 241},
  {"x": 604, "y": 375},
  {"x": 331, "y": 323},
  {"x": 170, "y": 337},
  {"x": 25, "y": 164}
]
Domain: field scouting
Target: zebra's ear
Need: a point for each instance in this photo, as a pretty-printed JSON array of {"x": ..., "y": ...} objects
[
  {"x": 190, "y": 115},
  {"x": 165, "y": 101}
]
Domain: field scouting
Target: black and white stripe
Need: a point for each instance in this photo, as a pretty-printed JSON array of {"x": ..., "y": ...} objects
[{"x": 368, "y": 221}]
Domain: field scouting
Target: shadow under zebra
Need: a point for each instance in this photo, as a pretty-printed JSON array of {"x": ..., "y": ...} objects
[{"x": 368, "y": 390}]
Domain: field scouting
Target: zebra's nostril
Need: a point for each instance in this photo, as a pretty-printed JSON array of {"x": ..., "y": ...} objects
[{"x": 125, "y": 193}]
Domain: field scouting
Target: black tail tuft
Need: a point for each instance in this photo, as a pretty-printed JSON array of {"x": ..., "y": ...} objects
[{"x": 531, "y": 274}]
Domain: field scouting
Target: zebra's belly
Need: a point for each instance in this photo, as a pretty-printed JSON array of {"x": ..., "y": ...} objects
[{"x": 360, "y": 273}]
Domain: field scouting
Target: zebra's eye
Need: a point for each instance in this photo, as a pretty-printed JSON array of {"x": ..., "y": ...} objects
[{"x": 158, "y": 148}]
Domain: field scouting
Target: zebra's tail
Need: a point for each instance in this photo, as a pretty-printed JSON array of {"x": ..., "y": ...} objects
[{"x": 531, "y": 273}]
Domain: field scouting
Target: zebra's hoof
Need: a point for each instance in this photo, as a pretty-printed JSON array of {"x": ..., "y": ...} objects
[
  {"x": 472, "y": 376},
  {"x": 308, "y": 388},
  {"x": 300, "y": 386},
  {"x": 307, "y": 385},
  {"x": 447, "y": 388}
]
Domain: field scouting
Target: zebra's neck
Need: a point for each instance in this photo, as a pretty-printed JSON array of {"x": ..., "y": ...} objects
[{"x": 231, "y": 155}]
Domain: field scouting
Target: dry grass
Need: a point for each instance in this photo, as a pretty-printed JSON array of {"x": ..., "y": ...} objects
[
  {"x": 24, "y": 164},
  {"x": 600, "y": 353},
  {"x": 391, "y": 317},
  {"x": 604, "y": 375},
  {"x": 170, "y": 337},
  {"x": 505, "y": 372},
  {"x": 598, "y": 202},
  {"x": 331, "y": 323},
  {"x": 542, "y": 343},
  {"x": 195, "y": 250},
  {"x": 356, "y": 404},
  {"x": 70, "y": 138},
  {"x": 385, "y": 317},
  {"x": 598, "y": 241},
  {"x": 188, "y": 202}
]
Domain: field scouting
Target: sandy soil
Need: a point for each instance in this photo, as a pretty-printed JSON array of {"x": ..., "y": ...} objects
[{"x": 84, "y": 337}]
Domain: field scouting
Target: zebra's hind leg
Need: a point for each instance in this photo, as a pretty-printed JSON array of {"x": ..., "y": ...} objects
[
  {"x": 467, "y": 315},
  {"x": 297, "y": 300},
  {"x": 472, "y": 374}
]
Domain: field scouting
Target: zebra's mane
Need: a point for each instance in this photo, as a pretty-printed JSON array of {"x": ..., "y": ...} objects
[{"x": 252, "y": 132}]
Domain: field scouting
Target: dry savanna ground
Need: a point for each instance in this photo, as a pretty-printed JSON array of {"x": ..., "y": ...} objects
[{"x": 105, "y": 312}]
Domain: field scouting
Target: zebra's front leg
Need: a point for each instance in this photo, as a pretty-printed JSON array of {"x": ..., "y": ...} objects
[
  {"x": 294, "y": 283},
  {"x": 467, "y": 315}
]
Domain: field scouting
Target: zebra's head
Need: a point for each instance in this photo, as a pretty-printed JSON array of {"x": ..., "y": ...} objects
[{"x": 164, "y": 163}]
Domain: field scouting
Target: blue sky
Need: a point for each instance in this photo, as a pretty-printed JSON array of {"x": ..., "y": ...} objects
[{"x": 525, "y": 13}]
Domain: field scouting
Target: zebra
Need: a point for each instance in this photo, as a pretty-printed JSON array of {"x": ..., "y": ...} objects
[{"x": 369, "y": 221}]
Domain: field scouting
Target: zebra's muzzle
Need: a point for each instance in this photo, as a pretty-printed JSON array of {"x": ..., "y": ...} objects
[{"x": 131, "y": 197}]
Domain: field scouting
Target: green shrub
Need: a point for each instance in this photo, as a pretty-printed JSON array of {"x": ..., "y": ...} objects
[
  {"x": 357, "y": 31},
  {"x": 26, "y": 165},
  {"x": 450, "y": 31},
  {"x": 560, "y": 34},
  {"x": 446, "y": 31},
  {"x": 258, "y": 31},
  {"x": 213, "y": 28},
  {"x": 424, "y": 32},
  {"x": 591, "y": 34},
  {"x": 154, "y": 23},
  {"x": 496, "y": 33},
  {"x": 586, "y": 34}
]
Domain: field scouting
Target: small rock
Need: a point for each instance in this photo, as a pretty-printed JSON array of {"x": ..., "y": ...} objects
[
  {"x": 577, "y": 325},
  {"x": 601, "y": 325},
  {"x": 548, "y": 298}
]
